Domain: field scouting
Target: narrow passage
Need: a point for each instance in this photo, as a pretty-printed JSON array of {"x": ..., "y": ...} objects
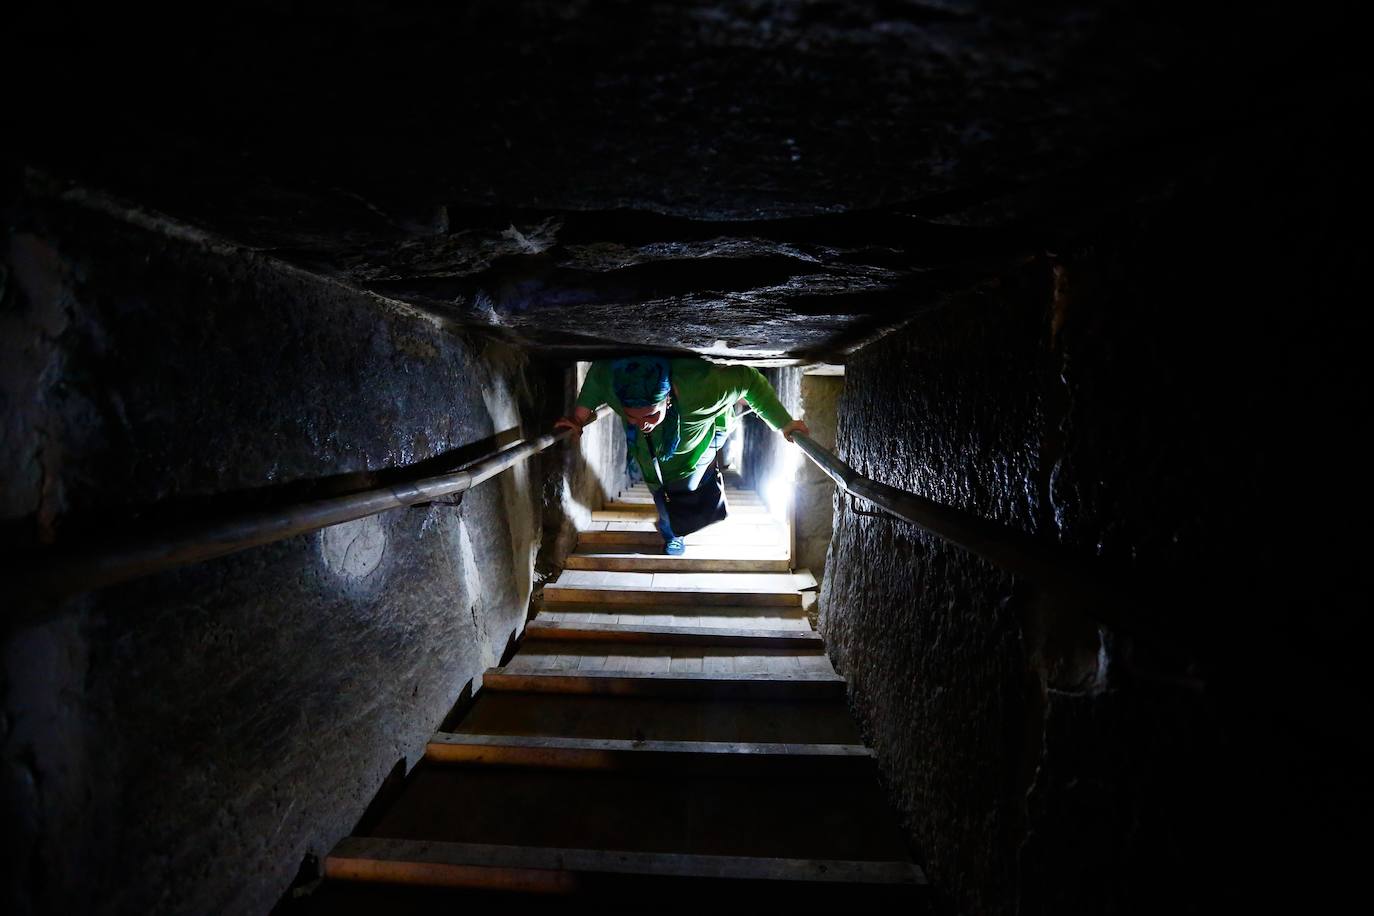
[{"x": 670, "y": 725}]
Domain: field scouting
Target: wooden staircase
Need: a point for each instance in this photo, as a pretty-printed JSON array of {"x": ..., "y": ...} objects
[{"x": 669, "y": 732}]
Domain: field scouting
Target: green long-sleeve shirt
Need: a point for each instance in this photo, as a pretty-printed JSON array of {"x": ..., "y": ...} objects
[{"x": 703, "y": 393}]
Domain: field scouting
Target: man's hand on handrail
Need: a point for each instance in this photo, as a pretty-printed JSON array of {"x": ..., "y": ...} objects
[
  {"x": 796, "y": 426},
  {"x": 581, "y": 416}
]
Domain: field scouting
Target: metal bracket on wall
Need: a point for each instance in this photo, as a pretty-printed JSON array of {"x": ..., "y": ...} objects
[{"x": 881, "y": 513}]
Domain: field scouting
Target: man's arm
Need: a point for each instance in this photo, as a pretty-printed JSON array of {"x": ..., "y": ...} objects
[
  {"x": 759, "y": 394},
  {"x": 595, "y": 392}
]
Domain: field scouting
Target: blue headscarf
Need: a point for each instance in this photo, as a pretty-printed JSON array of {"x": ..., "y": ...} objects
[
  {"x": 640, "y": 381},
  {"x": 643, "y": 381}
]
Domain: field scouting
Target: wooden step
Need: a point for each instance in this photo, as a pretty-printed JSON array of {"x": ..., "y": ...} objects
[
  {"x": 697, "y": 894},
  {"x": 552, "y": 870},
  {"x": 629, "y": 754},
  {"x": 670, "y": 635},
  {"x": 635, "y": 512},
  {"x": 777, "y": 814},
  {"x": 644, "y": 522},
  {"x": 730, "y": 521},
  {"x": 772, "y": 685},
  {"x": 567, "y": 595},
  {"x": 646, "y": 498},
  {"x": 629, "y": 558},
  {"x": 659, "y": 737},
  {"x": 757, "y": 617},
  {"x": 658, "y": 658},
  {"x": 640, "y": 500},
  {"x": 581, "y": 586},
  {"x": 661, "y": 719},
  {"x": 646, "y": 505},
  {"x": 731, "y": 490},
  {"x": 644, "y": 535}
]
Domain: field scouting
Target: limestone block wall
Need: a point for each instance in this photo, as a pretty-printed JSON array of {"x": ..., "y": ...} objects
[
  {"x": 180, "y": 743},
  {"x": 1175, "y": 393},
  {"x": 815, "y": 494}
]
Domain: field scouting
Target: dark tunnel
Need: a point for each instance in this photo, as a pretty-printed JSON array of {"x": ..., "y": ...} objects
[{"x": 1056, "y": 605}]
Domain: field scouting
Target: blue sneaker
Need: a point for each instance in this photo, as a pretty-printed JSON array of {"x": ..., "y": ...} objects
[{"x": 675, "y": 548}]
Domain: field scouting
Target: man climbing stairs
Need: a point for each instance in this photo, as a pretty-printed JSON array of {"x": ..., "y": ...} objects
[{"x": 670, "y": 726}]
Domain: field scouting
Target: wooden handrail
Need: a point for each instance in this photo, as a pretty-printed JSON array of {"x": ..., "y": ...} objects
[
  {"x": 78, "y": 572},
  {"x": 1103, "y": 597}
]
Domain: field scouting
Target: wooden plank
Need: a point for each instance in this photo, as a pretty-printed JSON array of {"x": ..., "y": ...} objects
[
  {"x": 621, "y": 754},
  {"x": 797, "y": 685},
  {"x": 657, "y": 718},
  {"x": 640, "y": 513},
  {"x": 650, "y": 539},
  {"x": 675, "y": 635},
  {"x": 734, "y": 581},
  {"x": 646, "y": 503},
  {"x": 655, "y": 589},
  {"x": 655, "y": 657},
  {"x": 598, "y": 663},
  {"x": 641, "y": 526},
  {"x": 716, "y": 663},
  {"x": 542, "y": 869},
  {"x": 647, "y": 507},
  {"x": 714, "y": 550},
  {"x": 537, "y": 662},
  {"x": 711, "y": 812},
  {"x": 640, "y": 490},
  {"x": 618, "y": 515},
  {"x": 598, "y": 578},
  {"x": 638, "y": 612},
  {"x": 436, "y": 864},
  {"x": 732, "y": 527},
  {"x": 635, "y": 561},
  {"x": 715, "y": 616},
  {"x": 686, "y": 664},
  {"x": 555, "y": 594},
  {"x": 649, "y": 660},
  {"x": 816, "y": 662},
  {"x": 757, "y": 661}
]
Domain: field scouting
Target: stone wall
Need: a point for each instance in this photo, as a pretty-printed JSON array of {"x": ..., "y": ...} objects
[
  {"x": 180, "y": 743},
  {"x": 763, "y": 448},
  {"x": 768, "y": 457},
  {"x": 578, "y": 478},
  {"x": 1176, "y": 394},
  {"x": 815, "y": 499}
]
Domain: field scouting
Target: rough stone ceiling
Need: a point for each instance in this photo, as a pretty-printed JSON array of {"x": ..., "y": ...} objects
[{"x": 753, "y": 179}]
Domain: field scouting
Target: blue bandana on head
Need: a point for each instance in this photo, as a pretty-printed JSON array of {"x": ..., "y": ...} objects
[{"x": 640, "y": 381}]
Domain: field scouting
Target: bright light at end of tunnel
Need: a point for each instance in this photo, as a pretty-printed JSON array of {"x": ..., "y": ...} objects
[
  {"x": 781, "y": 486},
  {"x": 777, "y": 493}
]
